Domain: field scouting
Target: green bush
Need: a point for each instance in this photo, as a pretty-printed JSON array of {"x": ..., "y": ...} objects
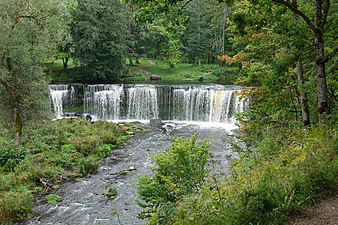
[
  {"x": 15, "y": 205},
  {"x": 179, "y": 171},
  {"x": 104, "y": 150},
  {"x": 10, "y": 155},
  {"x": 88, "y": 165},
  {"x": 50, "y": 152}
]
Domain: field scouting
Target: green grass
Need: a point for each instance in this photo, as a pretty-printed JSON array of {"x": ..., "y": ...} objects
[
  {"x": 183, "y": 71},
  {"x": 58, "y": 65},
  {"x": 142, "y": 62}
]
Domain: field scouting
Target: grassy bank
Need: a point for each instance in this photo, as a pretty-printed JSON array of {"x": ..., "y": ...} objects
[
  {"x": 52, "y": 152},
  {"x": 288, "y": 169},
  {"x": 183, "y": 72}
]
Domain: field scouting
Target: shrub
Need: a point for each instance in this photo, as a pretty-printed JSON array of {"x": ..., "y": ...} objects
[
  {"x": 88, "y": 165},
  {"x": 49, "y": 148},
  {"x": 104, "y": 150},
  {"x": 10, "y": 155},
  {"x": 264, "y": 187},
  {"x": 180, "y": 170},
  {"x": 15, "y": 205}
]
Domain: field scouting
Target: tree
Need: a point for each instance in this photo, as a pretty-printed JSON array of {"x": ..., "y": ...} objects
[
  {"x": 99, "y": 33},
  {"x": 321, "y": 11},
  {"x": 163, "y": 41},
  {"x": 28, "y": 31}
]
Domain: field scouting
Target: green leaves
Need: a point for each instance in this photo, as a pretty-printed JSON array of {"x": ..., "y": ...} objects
[
  {"x": 99, "y": 33},
  {"x": 29, "y": 30},
  {"x": 10, "y": 155},
  {"x": 180, "y": 170},
  {"x": 53, "y": 198}
]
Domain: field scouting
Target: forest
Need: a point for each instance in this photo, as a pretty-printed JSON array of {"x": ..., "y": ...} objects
[{"x": 284, "y": 53}]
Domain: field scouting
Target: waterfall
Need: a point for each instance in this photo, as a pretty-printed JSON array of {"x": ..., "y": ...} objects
[
  {"x": 61, "y": 95},
  {"x": 104, "y": 101},
  {"x": 208, "y": 105},
  {"x": 197, "y": 103},
  {"x": 142, "y": 102}
]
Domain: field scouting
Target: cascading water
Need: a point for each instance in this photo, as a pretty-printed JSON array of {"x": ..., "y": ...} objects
[
  {"x": 197, "y": 103},
  {"x": 61, "y": 95},
  {"x": 142, "y": 102},
  {"x": 206, "y": 104},
  {"x": 104, "y": 100}
]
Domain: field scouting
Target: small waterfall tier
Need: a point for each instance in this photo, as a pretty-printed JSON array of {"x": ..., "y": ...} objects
[
  {"x": 61, "y": 96},
  {"x": 199, "y": 103}
]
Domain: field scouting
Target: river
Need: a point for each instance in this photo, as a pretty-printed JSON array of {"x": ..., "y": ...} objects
[{"x": 83, "y": 201}]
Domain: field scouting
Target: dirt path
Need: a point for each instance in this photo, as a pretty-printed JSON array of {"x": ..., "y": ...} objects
[
  {"x": 144, "y": 69},
  {"x": 323, "y": 213}
]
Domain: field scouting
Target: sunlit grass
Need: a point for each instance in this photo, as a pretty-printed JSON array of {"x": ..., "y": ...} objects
[
  {"x": 57, "y": 64},
  {"x": 182, "y": 72}
]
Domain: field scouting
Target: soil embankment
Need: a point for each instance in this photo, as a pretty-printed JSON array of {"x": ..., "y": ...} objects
[{"x": 323, "y": 213}]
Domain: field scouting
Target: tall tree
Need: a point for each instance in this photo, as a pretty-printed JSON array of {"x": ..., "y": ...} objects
[
  {"x": 99, "y": 32},
  {"x": 28, "y": 31},
  {"x": 320, "y": 9}
]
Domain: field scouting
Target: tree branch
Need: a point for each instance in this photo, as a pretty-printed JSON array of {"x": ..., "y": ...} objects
[
  {"x": 298, "y": 12},
  {"x": 185, "y": 4}
]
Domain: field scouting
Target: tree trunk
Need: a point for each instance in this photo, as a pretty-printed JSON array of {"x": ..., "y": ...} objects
[
  {"x": 321, "y": 9},
  {"x": 222, "y": 39},
  {"x": 130, "y": 61},
  {"x": 18, "y": 122},
  {"x": 322, "y": 103},
  {"x": 303, "y": 95},
  {"x": 65, "y": 62}
]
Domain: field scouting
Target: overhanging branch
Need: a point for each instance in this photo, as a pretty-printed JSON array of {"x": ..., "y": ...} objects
[{"x": 298, "y": 12}]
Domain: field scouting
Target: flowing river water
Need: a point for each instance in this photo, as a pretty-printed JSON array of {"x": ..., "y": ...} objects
[
  {"x": 207, "y": 110},
  {"x": 83, "y": 201}
]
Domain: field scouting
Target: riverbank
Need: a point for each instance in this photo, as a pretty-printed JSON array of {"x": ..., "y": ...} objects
[
  {"x": 52, "y": 152},
  {"x": 322, "y": 212}
]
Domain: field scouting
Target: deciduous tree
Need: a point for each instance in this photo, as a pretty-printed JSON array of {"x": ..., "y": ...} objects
[
  {"x": 99, "y": 32},
  {"x": 28, "y": 31}
]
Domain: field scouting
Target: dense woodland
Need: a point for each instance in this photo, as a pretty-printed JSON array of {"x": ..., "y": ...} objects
[{"x": 283, "y": 51}]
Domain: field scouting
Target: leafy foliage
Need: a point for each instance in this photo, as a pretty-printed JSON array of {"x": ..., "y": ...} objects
[
  {"x": 28, "y": 31},
  {"x": 52, "y": 198},
  {"x": 10, "y": 155},
  {"x": 269, "y": 183},
  {"x": 99, "y": 33},
  {"x": 180, "y": 170}
]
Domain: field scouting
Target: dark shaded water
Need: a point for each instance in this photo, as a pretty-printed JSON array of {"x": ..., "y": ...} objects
[{"x": 83, "y": 202}]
